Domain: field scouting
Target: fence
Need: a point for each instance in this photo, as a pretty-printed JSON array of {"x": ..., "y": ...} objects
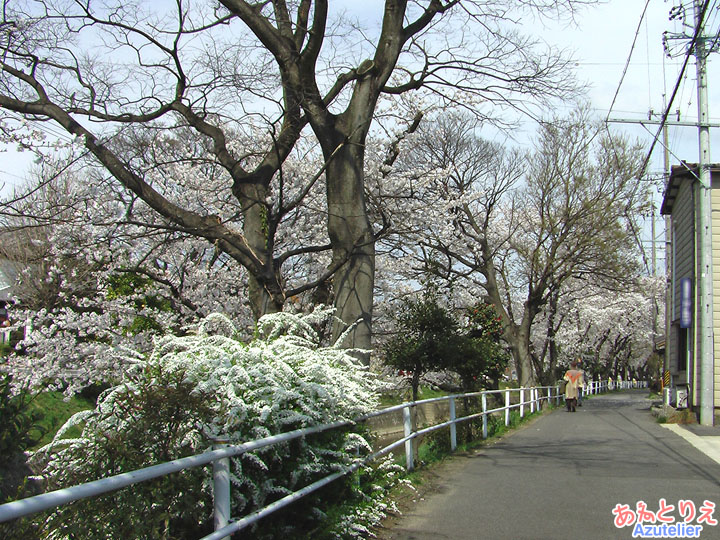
[{"x": 528, "y": 399}]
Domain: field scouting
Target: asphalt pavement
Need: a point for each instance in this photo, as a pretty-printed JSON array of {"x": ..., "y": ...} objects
[{"x": 563, "y": 475}]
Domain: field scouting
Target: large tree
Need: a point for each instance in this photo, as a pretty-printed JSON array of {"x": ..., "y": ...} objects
[
  {"x": 269, "y": 70},
  {"x": 521, "y": 228}
]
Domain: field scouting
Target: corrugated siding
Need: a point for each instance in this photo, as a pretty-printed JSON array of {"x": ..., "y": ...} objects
[
  {"x": 684, "y": 255},
  {"x": 683, "y": 251},
  {"x": 715, "y": 195},
  {"x": 684, "y": 244}
]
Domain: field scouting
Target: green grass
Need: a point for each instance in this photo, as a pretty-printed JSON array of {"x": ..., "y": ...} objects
[{"x": 53, "y": 411}]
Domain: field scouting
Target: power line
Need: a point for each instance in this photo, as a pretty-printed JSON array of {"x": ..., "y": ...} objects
[
  {"x": 688, "y": 54},
  {"x": 45, "y": 127},
  {"x": 6, "y": 173},
  {"x": 627, "y": 63}
]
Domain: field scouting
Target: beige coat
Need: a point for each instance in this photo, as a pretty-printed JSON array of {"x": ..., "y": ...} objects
[{"x": 575, "y": 381}]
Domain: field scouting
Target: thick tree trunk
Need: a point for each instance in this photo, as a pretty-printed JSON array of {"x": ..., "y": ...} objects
[
  {"x": 519, "y": 340},
  {"x": 552, "y": 344},
  {"x": 265, "y": 291},
  {"x": 353, "y": 241},
  {"x": 516, "y": 335}
]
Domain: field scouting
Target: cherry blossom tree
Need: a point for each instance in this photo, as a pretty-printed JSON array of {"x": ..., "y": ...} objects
[
  {"x": 268, "y": 72},
  {"x": 520, "y": 227},
  {"x": 612, "y": 331},
  {"x": 92, "y": 286}
]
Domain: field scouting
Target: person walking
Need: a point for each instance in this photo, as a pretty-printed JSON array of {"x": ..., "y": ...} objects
[
  {"x": 581, "y": 388},
  {"x": 575, "y": 380}
]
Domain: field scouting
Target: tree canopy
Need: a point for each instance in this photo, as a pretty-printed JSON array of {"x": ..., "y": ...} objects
[{"x": 152, "y": 95}]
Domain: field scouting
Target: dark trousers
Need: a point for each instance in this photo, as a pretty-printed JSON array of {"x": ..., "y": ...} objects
[{"x": 571, "y": 403}]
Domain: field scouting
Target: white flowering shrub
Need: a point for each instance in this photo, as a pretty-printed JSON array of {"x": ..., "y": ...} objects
[{"x": 192, "y": 388}]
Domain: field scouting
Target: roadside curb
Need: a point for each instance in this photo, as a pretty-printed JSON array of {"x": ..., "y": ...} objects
[{"x": 708, "y": 445}]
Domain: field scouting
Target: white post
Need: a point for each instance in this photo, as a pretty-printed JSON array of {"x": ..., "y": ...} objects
[
  {"x": 507, "y": 407},
  {"x": 522, "y": 402},
  {"x": 453, "y": 427},
  {"x": 221, "y": 488},
  {"x": 484, "y": 408},
  {"x": 407, "y": 424},
  {"x": 532, "y": 400}
]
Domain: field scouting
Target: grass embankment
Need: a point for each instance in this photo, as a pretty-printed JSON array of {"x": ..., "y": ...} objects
[{"x": 53, "y": 411}]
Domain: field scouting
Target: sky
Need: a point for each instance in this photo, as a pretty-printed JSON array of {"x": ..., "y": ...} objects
[
  {"x": 600, "y": 40},
  {"x": 603, "y": 40}
]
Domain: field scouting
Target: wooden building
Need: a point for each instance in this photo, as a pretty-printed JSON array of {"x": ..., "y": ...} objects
[{"x": 680, "y": 203}]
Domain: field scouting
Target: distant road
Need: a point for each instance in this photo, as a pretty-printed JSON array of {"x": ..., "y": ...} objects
[{"x": 561, "y": 476}]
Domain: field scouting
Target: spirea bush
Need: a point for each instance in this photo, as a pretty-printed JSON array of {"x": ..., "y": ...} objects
[{"x": 193, "y": 388}]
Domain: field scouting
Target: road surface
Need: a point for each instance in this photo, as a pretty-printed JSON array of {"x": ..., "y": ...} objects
[{"x": 562, "y": 475}]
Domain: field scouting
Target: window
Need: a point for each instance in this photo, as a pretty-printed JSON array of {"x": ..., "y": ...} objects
[{"x": 682, "y": 351}]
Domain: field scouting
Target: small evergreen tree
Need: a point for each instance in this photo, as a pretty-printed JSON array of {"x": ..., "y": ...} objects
[
  {"x": 482, "y": 360},
  {"x": 429, "y": 337},
  {"x": 425, "y": 334}
]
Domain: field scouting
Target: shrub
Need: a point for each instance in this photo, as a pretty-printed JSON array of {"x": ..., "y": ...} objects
[
  {"x": 202, "y": 385},
  {"x": 18, "y": 429}
]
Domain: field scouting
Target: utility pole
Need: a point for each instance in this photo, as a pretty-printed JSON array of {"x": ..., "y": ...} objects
[
  {"x": 669, "y": 265},
  {"x": 705, "y": 356}
]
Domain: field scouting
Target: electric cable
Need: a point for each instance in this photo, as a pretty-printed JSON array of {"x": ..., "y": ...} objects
[
  {"x": 688, "y": 54},
  {"x": 627, "y": 63}
]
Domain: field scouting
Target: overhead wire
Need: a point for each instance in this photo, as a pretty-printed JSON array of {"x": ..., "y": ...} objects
[
  {"x": 636, "y": 236},
  {"x": 627, "y": 62},
  {"x": 696, "y": 34},
  {"x": 714, "y": 10},
  {"x": 47, "y": 128}
]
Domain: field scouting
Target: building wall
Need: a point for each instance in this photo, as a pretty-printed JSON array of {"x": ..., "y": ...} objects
[
  {"x": 715, "y": 195},
  {"x": 683, "y": 266},
  {"x": 683, "y": 243}
]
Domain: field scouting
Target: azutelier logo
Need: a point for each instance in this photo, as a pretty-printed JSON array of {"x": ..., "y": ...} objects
[{"x": 664, "y": 523}]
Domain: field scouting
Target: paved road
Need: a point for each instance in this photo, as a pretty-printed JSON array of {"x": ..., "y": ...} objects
[{"x": 562, "y": 475}]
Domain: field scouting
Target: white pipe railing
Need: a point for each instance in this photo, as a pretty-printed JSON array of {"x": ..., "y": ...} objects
[{"x": 221, "y": 453}]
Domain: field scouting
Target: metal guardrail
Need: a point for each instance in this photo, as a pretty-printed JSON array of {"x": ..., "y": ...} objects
[{"x": 221, "y": 453}]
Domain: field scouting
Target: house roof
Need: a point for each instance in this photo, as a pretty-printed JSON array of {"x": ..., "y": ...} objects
[
  {"x": 678, "y": 175},
  {"x": 9, "y": 271}
]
